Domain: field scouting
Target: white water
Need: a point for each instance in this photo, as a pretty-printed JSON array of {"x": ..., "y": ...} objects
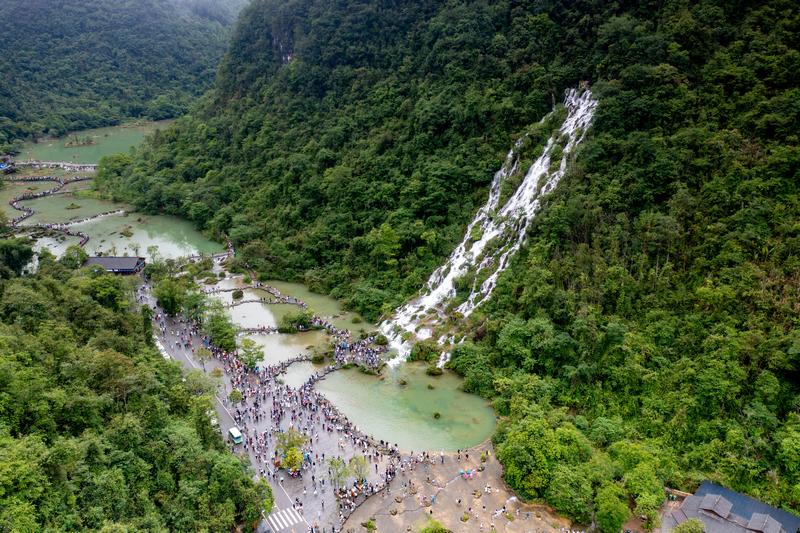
[{"x": 505, "y": 227}]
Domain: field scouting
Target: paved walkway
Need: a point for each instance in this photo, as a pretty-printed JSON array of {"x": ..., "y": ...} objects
[
  {"x": 420, "y": 485},
  {"x": 478, "y": 503},
  {"x": 271, "y": 407}
]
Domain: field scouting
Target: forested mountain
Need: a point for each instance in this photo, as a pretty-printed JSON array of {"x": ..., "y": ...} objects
[
  {"x": 73, "y": 64},
  {"x": 647, "y": 332},
  {"x": 97, "y": 430}
]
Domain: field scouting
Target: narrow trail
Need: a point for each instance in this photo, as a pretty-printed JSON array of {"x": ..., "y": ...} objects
[{"x": 28, "y": 212}]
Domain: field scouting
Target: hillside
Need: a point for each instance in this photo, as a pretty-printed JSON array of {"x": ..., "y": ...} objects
[
  {"x": 86, "y": 63},
  {"x": 98, "y": 432},
  {"x": 647, "y": 332}
]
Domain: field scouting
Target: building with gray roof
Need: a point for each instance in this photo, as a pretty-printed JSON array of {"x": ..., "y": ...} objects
[
  {"x": 117, "y": 265},
  {"x": 724, "y": 511}
]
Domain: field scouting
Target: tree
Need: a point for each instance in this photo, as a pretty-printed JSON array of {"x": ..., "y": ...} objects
[
  {"x": 235, "y": 396},
  {"x": 693, "y": 525},
  {"x": 433, "y": 526},
  {"x": 358, "y": 467},
  {"x": 293, "y": 459},
  {"x": 289, "y": 439},
  {"x": 250, "y": 353},
  {"x": 265, "y": 494},
  {"x": 339, "y": 471},
  {"x": 73, "y": 257},
  {"x": 293, "y": 322},
  {"x": 203, "y": 354},
  {"x": 169, "y": 295},
  {"x": 219, "y": 327},
  {"x": 14, "y": 255},
  {"x": 612, "y": 511},
  {"x": 570, "y": 493},
  {"x": 81, "y": 384},
  {"x": 195, "y": 305}
]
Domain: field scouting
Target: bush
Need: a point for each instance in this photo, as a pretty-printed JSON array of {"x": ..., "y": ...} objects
[
  {"x": 434, "y": 370},
  {"x": 427, "y": 350},
  {"x": 436, "y": 527},
  {"x": 381, "y": 340},
  {"x": 294, "y": 322},
  {"x": 238, "y": 294}
]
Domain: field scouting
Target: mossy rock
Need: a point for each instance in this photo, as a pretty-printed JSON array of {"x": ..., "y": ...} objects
[
  {"x": 238, "y": 294},
  {"x": 437, "y": 415},
  {"x": 430, "y": 387},
  {"x": 317, "y": 359},
  {"x": 210, "y": 281},
  {"x": 434, "y": 370},
  {"x": 402, "y": 382}
]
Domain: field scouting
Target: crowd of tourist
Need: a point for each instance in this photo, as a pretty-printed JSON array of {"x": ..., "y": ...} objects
[
  {"x": 269, "y": 407},
  {"x": 69, "y": 167}
]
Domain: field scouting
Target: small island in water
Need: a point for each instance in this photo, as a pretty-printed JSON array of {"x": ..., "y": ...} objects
[{"x": 75, "y": 141}]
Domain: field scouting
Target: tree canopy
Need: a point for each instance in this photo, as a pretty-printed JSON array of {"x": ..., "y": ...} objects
[
  {"x": 79, "y": 64},
  {"x": 97, "y": 430},
  {"x": 646, "y": 334}
]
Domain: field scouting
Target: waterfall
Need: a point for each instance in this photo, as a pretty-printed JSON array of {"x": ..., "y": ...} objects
[{"x": 503, "y": 227}]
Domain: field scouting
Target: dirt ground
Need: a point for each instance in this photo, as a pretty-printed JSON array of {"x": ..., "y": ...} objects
[{"x": 408, "y": 507}]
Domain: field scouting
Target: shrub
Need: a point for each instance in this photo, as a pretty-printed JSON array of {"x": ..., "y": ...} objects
[
  {"x": 434, "y": 370},
  {"x": 426, "y": 350}
]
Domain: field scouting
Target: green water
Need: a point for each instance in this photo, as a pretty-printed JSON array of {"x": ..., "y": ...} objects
[
  {"x": 11, "y": 190},
  {"x": 279, "y": 347},
  {"x": 404, "y": 414},
  {"x": 298, "y": 373},
  {"x": 324, "y": 306},
  {"x": 135, "y": 233},
  {"x": 67, "y": 208},
  {"x": 254, "y": 314},
  {"x": 379, "y": 406},
  {"x": 110, "y": 140}
]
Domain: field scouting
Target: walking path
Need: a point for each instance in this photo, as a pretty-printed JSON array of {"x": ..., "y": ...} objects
[
  {"x": 399, "y": 490},
  {"x": 28, "y": 212},
  {"x": 63, "y": 165},
  {"x": 271, "y": 407}
]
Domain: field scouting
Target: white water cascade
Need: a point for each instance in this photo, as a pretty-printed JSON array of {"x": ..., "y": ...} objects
[{"x": 503, "y": 227}]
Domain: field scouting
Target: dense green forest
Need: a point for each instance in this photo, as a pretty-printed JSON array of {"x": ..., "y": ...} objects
[
  {"x": 647, "y": 332},
  {"x": 97, "y": 431},
  {"x": 78, "y": 64}
]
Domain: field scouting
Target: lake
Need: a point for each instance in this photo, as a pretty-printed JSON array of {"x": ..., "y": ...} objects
[{"x": 107, "y": 141}]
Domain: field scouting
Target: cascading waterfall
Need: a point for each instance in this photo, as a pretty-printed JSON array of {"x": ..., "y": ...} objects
[{"x": 503, "y": 227}]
